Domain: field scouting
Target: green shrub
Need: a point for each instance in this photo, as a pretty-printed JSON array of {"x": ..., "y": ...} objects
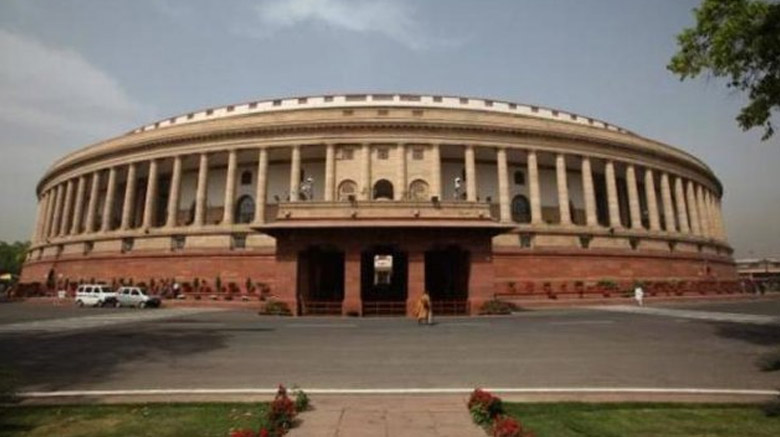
[
  {"x": 301, "y": 400},
  {"x": 277, "y": 308},
  {"x": 495, "y": 306}
]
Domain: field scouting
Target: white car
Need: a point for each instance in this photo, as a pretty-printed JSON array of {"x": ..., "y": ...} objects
[
  {"x": 95, "y": 295},
  {"x": 135, "y": 297}
]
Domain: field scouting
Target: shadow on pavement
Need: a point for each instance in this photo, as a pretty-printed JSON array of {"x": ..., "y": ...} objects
[
  {"x": 60, "y": 362},
  {"x": 764, "y": 335}
]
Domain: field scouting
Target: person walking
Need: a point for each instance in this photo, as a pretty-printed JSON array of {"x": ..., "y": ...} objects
[
  {"x": 639, "y": 294},
  {"x": 424, "y": 313}
]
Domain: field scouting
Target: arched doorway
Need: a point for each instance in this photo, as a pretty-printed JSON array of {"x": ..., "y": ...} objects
[
  {"x": 418, "y": 190},
  {"x": 521, "y": 209},
  {"x": 320, "y": 280},
  {"x": 383, "y": 190},
  {"x": 245, "y": 209},
  {"x": 447, "y": 270},
  {"x": 383, "y": 280},
  {"x": 347, "y": 188}
]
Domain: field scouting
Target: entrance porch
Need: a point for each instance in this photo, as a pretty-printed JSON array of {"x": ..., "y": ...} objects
[{"x": 383, "y": 272}]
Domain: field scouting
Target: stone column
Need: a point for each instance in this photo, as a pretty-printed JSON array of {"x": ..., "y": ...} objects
[
  {"x": 721, "y": 223},
  {"x": 230, "y": 189},
  {"x": 633, "y": 198},
  {"x": 365, "y": 172},
  {"x": 666, "y": 198},
  {"x": 295, "y": 173},
  {"x": 108, "y": 206},
  {"x": 612, "y": 196},
  {"x": 66, "y": 209},
  {"x": 52, "y": 208},
  {"x": 127, "y": 208},
  {"x": 47, "y": 215},
  {"x": 533, "y": 189},
  {"x": 150, "y": 204},
  {"x": 704, "y": 220},
  {"x": 38, "y": 214},
  {"x": 563, "y": 189},
  {"x": 588, "y": 193},
  {"x": 436, "y": 171},
  {"x": 262, "y": 185},
  {"x": 471, "y": 174},
  {"x": 40, "y": 223},
  {"x": 713, "y": 215},
  {"x": 400, "y": 192},
  {"x": 55, "y": 224},
  {"x": 652, "y": 202},
  {"x": 503, "y": 186},
  {"x": 201, "y": 195},
  {"x": 78, "y": 208},
  {"x": 352, "y": 303},
  {"x": 719, "y": 211},
  {"x": 416, "y": 275},
  {"x": 682, "y": 213},
  {"x": 693, "y": 209},
  {"x": 89, "y": 227},
  {"x": 173, "y": 194},
  {"x": 330, "y": 172},
  {"x": 50, "y": 212}
]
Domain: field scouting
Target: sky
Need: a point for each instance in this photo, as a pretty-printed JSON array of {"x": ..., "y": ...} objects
[{"x": 79, "y": 71}]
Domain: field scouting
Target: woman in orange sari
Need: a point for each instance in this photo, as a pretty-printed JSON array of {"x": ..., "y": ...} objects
[{"x": 424, "y": 313}]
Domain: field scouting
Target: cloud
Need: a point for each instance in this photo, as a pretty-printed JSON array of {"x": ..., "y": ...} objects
[
  {"x": 393, "y": 19},
  {"x": 43, "y": 87}
]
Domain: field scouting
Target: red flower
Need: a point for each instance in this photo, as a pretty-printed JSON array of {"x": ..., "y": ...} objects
[
  {"x": 242, "y": 433},
  {"x": 507, "y": 426}
]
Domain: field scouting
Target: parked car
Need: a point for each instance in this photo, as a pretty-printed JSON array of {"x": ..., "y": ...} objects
[
  {"x": 135, "y": 297},
  {"x": 95, "y": 295}
]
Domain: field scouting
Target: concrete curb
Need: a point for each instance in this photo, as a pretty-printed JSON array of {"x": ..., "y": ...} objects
[{"x": 576, "y": 394}]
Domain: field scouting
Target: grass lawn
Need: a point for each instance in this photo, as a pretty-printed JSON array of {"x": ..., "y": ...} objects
[
  {"x": 644, "y": 420},
  {"x": 130, "y": 420}
]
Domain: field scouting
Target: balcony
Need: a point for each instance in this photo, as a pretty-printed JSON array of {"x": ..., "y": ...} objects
[{"x": 307, "y": 214}]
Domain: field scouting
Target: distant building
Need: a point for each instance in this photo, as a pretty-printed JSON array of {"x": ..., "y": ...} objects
[
  {"x": 767, "y": 269},
  {"x": 358, "y": 203}
]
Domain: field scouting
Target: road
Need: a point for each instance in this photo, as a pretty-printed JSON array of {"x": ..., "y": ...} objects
[{"x": 63, "y": 348}]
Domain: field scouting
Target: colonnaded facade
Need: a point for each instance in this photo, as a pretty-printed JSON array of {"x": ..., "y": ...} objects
[{"x": 356, "y": 204}]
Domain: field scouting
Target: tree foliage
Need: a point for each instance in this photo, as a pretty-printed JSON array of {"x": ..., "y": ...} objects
[
  {"x": 740, "y": 41},
  {"x": 12, "y": 256}
]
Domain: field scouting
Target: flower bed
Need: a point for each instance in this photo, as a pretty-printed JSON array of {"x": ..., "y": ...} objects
[
  {"x": 487, "y": 411},
  {"x": 281, "y": 415}
]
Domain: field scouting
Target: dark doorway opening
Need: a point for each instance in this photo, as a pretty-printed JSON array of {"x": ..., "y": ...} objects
[
  {"x": 320, "y": 280},
  {"x": 447, "y": 279},
  {"x": 383, "y": 281}
]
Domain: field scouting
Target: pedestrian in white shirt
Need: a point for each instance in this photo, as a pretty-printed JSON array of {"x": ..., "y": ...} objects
[{"x": 639, "y": 295}]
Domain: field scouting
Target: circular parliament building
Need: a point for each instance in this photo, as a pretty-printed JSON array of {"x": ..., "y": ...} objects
[{"x": 356, "y": 204}]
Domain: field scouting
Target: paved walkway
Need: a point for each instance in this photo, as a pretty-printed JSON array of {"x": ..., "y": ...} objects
[
  {"x": 754, "y": 319},
  {"x": 387, "y": 416},
  {"x": 106, "y": 318}
]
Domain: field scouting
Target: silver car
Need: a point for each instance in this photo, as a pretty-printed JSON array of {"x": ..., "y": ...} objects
[{"x": 135, "y": 297}]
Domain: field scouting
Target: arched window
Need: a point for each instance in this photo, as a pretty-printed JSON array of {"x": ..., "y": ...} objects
[
  {"x": 383, "y": 190},
  {"x": 347, "y": 188},
  {"x": 245, "y": 209},
  {"x": 521, "y": 209},
  {"x": 418, "y": 190},
  {"x": 246, "y": 178}
]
